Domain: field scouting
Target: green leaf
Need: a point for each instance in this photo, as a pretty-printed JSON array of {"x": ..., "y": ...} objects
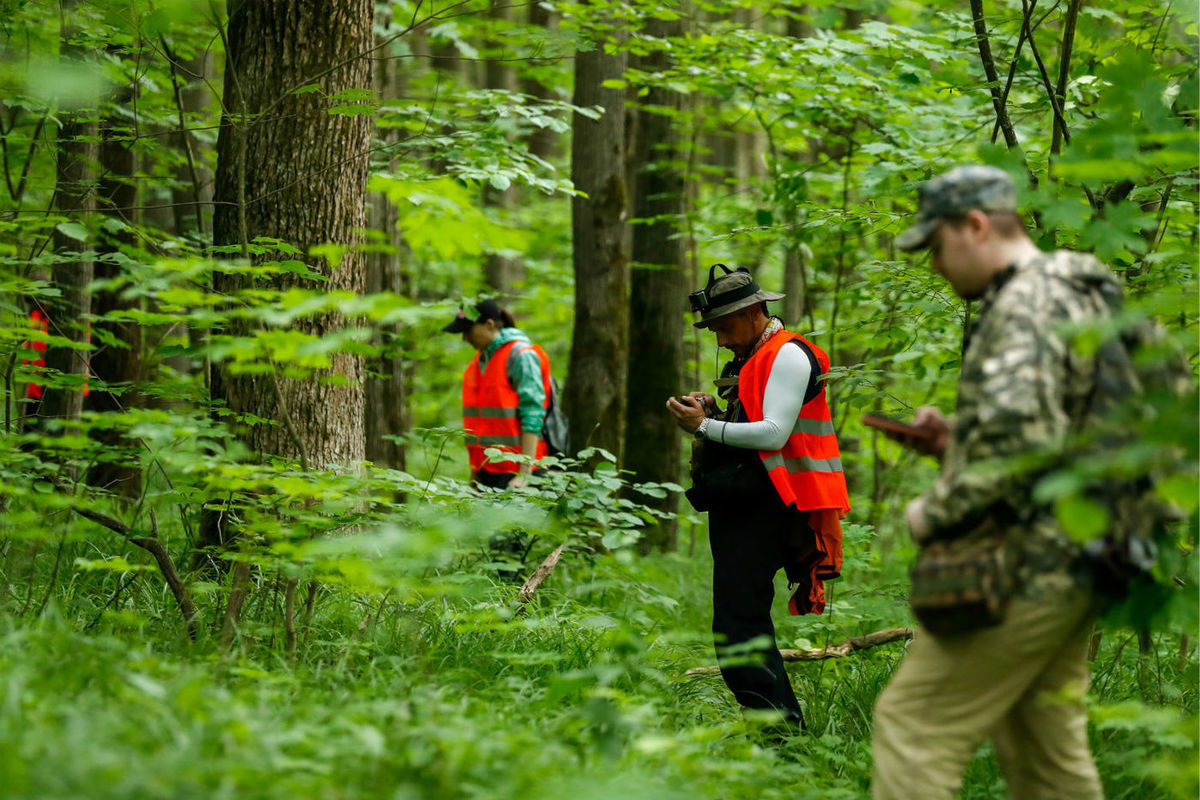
[
  {"x": 72, "y": 230},
  {"x": 1082, "y": 519}
]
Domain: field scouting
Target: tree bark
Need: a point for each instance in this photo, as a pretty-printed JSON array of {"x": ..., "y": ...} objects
[
  {"x": 595, "y": 393},
  {"x": 657, "y": 305},
  {"x": 117, "y": 365},
  {"x": 75, "y": 168},
  {"x": 389, "y": 382},
  {"x": 502, "y": 272},
  {"x": 543, "y": 143},
  {"x": 289, "y": 169}
]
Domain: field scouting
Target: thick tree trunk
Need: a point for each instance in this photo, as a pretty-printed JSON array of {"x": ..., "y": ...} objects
[
  {"x": 289, "y": 169},
  {"x": 657, "y": 305},
  {"x": 595, "y": 393}
]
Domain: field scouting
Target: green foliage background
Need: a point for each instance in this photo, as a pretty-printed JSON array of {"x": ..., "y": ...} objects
[{"x": 417, "y": 673}]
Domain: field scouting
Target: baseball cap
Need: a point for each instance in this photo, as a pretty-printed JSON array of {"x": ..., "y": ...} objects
[
  {"x": 486, "y": 309},
  {"x": 953, "y": 194}
]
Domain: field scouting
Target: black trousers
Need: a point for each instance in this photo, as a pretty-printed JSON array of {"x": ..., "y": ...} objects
[{"x": 748, "y": 547}]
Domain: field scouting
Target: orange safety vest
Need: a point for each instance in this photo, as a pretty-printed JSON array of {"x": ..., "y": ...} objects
[
  {"x": 40, "y": 321},
  {"x": 807, "y": 472},
  {"x": 490, "y": 414}
]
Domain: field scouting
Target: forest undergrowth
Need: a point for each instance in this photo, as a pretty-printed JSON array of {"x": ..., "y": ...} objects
[{"x": 446, "y": 687}]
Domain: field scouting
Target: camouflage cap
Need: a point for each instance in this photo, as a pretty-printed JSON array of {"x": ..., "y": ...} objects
[{"x": 953, "y": 194}]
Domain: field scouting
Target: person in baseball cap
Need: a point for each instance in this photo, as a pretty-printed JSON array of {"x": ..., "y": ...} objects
[
  {"x": 1002, "y": 592},
  {"x": 506, "y": 397}
]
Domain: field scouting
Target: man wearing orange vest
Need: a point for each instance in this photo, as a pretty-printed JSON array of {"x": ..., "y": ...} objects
[
  {"x": 768, "y": 471},
  {"x": 506, "y": 392}
]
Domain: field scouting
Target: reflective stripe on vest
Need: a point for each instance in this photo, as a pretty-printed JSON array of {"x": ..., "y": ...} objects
[
  {"x": 807, "y": 471},
  {"x": 491, "y": 416}
]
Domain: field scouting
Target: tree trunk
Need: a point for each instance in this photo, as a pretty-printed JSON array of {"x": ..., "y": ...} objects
[
  {"x": 119, "y": 366},
  {"x": 388, "y": 387},
  {"x": 795, "y": 267},
  {"x": 75, "y": 162},
  {"x": 595, "y": 394},
  {"x": 657, "y": 305},
  {"x": 502, "y": 272},
  {"x": 287, "y": 168},
  {"x": 543, "y": 142},
  {"x": 191, "y": 197}
]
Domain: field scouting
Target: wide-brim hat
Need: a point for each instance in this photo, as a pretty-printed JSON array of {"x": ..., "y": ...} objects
[
  {"x": 728, "y": 294},
  {"x": 486, "y": 309}
]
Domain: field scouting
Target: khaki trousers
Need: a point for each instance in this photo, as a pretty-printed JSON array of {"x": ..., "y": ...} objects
[{"x": 1022, "y": 683}]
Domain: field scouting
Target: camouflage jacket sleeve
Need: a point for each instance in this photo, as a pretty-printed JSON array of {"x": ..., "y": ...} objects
[{"x": 1019, "y": 381}]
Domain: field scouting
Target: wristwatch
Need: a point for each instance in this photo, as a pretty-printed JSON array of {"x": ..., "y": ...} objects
[{"x": 698, "y": 434}]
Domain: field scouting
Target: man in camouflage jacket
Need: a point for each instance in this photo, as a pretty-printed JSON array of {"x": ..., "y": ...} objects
[{"x": 1022, "y": 392}]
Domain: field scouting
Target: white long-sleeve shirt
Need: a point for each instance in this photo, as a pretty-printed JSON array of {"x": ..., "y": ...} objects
[{"x": 782, "y": 400}]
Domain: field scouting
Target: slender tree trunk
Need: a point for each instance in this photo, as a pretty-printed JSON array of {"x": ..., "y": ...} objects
[
  {"x": 76, "y": 162},
  {"x": 119, "y": 366},
  {"x": 657, "y": 304},
  {"x": 388, "y": 387},
  {"x": 1064, "y": 75},
  {"x": 795, "y": 266},
  {"x": 543, "y": 143},
  {"x": 192, "y": 194},
  {"x": 595, "y": 393},
  {"x": 502, "y": 272}
]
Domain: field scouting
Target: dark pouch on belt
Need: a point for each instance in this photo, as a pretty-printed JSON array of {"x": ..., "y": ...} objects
[
  {"x": 729, "y": 483},
  {"x": 961, "y": 585}
]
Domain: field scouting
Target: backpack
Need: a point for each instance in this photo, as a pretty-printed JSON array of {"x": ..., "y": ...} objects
[
  {"x": 1133, "y": 368},
  {"x": 556, "y": 430}
]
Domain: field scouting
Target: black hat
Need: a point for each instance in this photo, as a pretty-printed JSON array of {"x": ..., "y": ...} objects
[{"x": 487, "y": 309}]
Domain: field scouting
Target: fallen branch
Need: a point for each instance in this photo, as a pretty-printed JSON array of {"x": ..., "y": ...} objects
[
  {"x": 538, "y": 577},
  {"x": 839, "y": 650},
  {"x": 156, "y": 548}
]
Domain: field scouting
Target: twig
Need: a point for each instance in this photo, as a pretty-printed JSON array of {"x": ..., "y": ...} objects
[
  {"x": 289, "y": 616},
  {"x": 122, "y": 585},
  {"x": 62, "y": 541},
  {"x": 839, "y": 650},
  {"x": 238, "y": 591},
  {"x": 310, "y": 606},
  {"x": 538, "y": 577}
]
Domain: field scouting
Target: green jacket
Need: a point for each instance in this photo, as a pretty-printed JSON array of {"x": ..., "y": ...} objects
[{"x": 524, "y": 375}]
